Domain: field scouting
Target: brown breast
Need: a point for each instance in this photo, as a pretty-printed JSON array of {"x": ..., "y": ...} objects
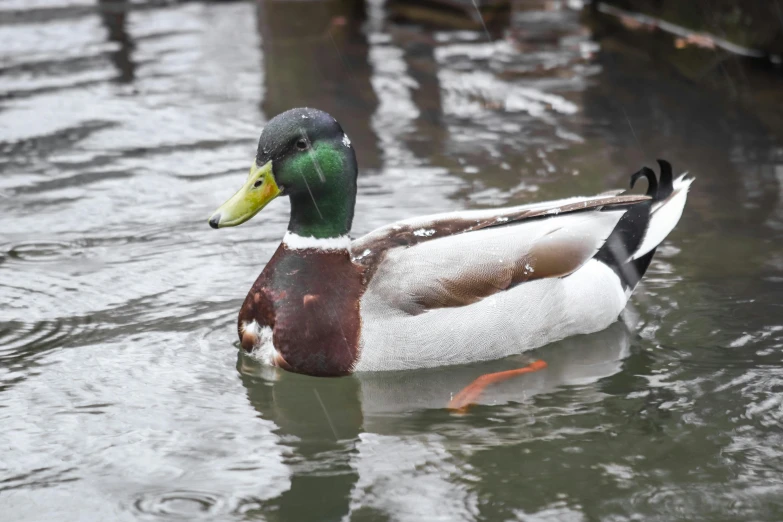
[{"x": 310, "y": 299}]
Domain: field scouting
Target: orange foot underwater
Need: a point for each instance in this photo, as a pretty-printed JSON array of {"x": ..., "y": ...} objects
[{"x": 472, "y": 391}]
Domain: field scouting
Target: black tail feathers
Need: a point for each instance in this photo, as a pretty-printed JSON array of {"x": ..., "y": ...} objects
[
  {"x": 657, "y": 188},
  {"x": 627, "y": 236}
]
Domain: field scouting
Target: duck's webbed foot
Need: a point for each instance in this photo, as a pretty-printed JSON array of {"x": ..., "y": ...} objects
[{"x": 462, "y": 401}]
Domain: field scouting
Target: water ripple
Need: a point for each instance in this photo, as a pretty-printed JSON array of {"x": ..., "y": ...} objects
[{"x": 181, "y": 505}]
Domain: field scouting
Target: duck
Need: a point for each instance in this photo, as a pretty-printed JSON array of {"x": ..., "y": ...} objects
[{"x": 451, "y": 288}]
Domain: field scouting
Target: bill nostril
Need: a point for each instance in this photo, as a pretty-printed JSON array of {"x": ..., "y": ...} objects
[{"x": 214, "y": 220}]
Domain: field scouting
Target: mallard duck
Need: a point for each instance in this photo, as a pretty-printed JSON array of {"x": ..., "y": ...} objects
[{"x": 441, "y": 289}]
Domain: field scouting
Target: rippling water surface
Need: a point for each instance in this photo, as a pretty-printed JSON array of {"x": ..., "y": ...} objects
[{"x": 122, "y": 392}]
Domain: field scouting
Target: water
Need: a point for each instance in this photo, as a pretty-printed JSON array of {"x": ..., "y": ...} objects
[{"x": 122, "y": 392}]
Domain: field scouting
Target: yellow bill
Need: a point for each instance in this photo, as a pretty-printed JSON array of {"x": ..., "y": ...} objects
[{"x": 257, "y": 192}]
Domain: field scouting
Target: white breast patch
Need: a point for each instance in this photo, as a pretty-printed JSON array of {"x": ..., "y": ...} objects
[{"x": 264, "y": 350}]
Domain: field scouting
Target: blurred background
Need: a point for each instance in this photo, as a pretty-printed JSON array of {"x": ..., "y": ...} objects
[{"x": 124, "y": 124}]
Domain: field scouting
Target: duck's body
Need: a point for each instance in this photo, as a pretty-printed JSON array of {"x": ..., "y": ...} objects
[{"x": 435, "y": 290}]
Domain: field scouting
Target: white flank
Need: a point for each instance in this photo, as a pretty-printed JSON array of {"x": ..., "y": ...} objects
[
  {"x": 264, "y": 350},
  {"x": 665, "y": 217},
  {"x": 296, "y": 242},
  {"x": 527, "y": 316}
]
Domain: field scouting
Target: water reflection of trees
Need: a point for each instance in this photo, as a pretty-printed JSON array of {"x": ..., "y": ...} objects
[
  {"x": 316, "y": 55},
  {"x": 114, "y": 14}
]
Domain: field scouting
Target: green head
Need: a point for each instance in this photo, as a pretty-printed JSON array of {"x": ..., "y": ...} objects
[{"x": 305, "y": 155}]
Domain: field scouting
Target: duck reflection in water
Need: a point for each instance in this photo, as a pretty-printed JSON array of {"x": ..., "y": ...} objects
[{"x": 336, "y": 430}]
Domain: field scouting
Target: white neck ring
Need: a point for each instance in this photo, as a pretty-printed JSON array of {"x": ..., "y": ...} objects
[{"x": 296, "y": 242}]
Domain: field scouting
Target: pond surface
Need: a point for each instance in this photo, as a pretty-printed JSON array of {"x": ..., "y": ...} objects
[{"x": 123, "y": 395}]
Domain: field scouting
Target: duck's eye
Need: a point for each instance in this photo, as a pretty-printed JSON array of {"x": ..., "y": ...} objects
[
  {"x": 258, "y": 183},
  {"x": 301, "y": 144}
]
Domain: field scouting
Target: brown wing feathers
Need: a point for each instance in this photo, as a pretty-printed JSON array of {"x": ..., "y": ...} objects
[
  {"x": 555, "y": 258},
  {"x": 465, "y": 268}
]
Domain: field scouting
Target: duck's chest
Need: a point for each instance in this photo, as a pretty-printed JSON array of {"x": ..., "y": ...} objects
[{"x": 310, "y": 300}]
